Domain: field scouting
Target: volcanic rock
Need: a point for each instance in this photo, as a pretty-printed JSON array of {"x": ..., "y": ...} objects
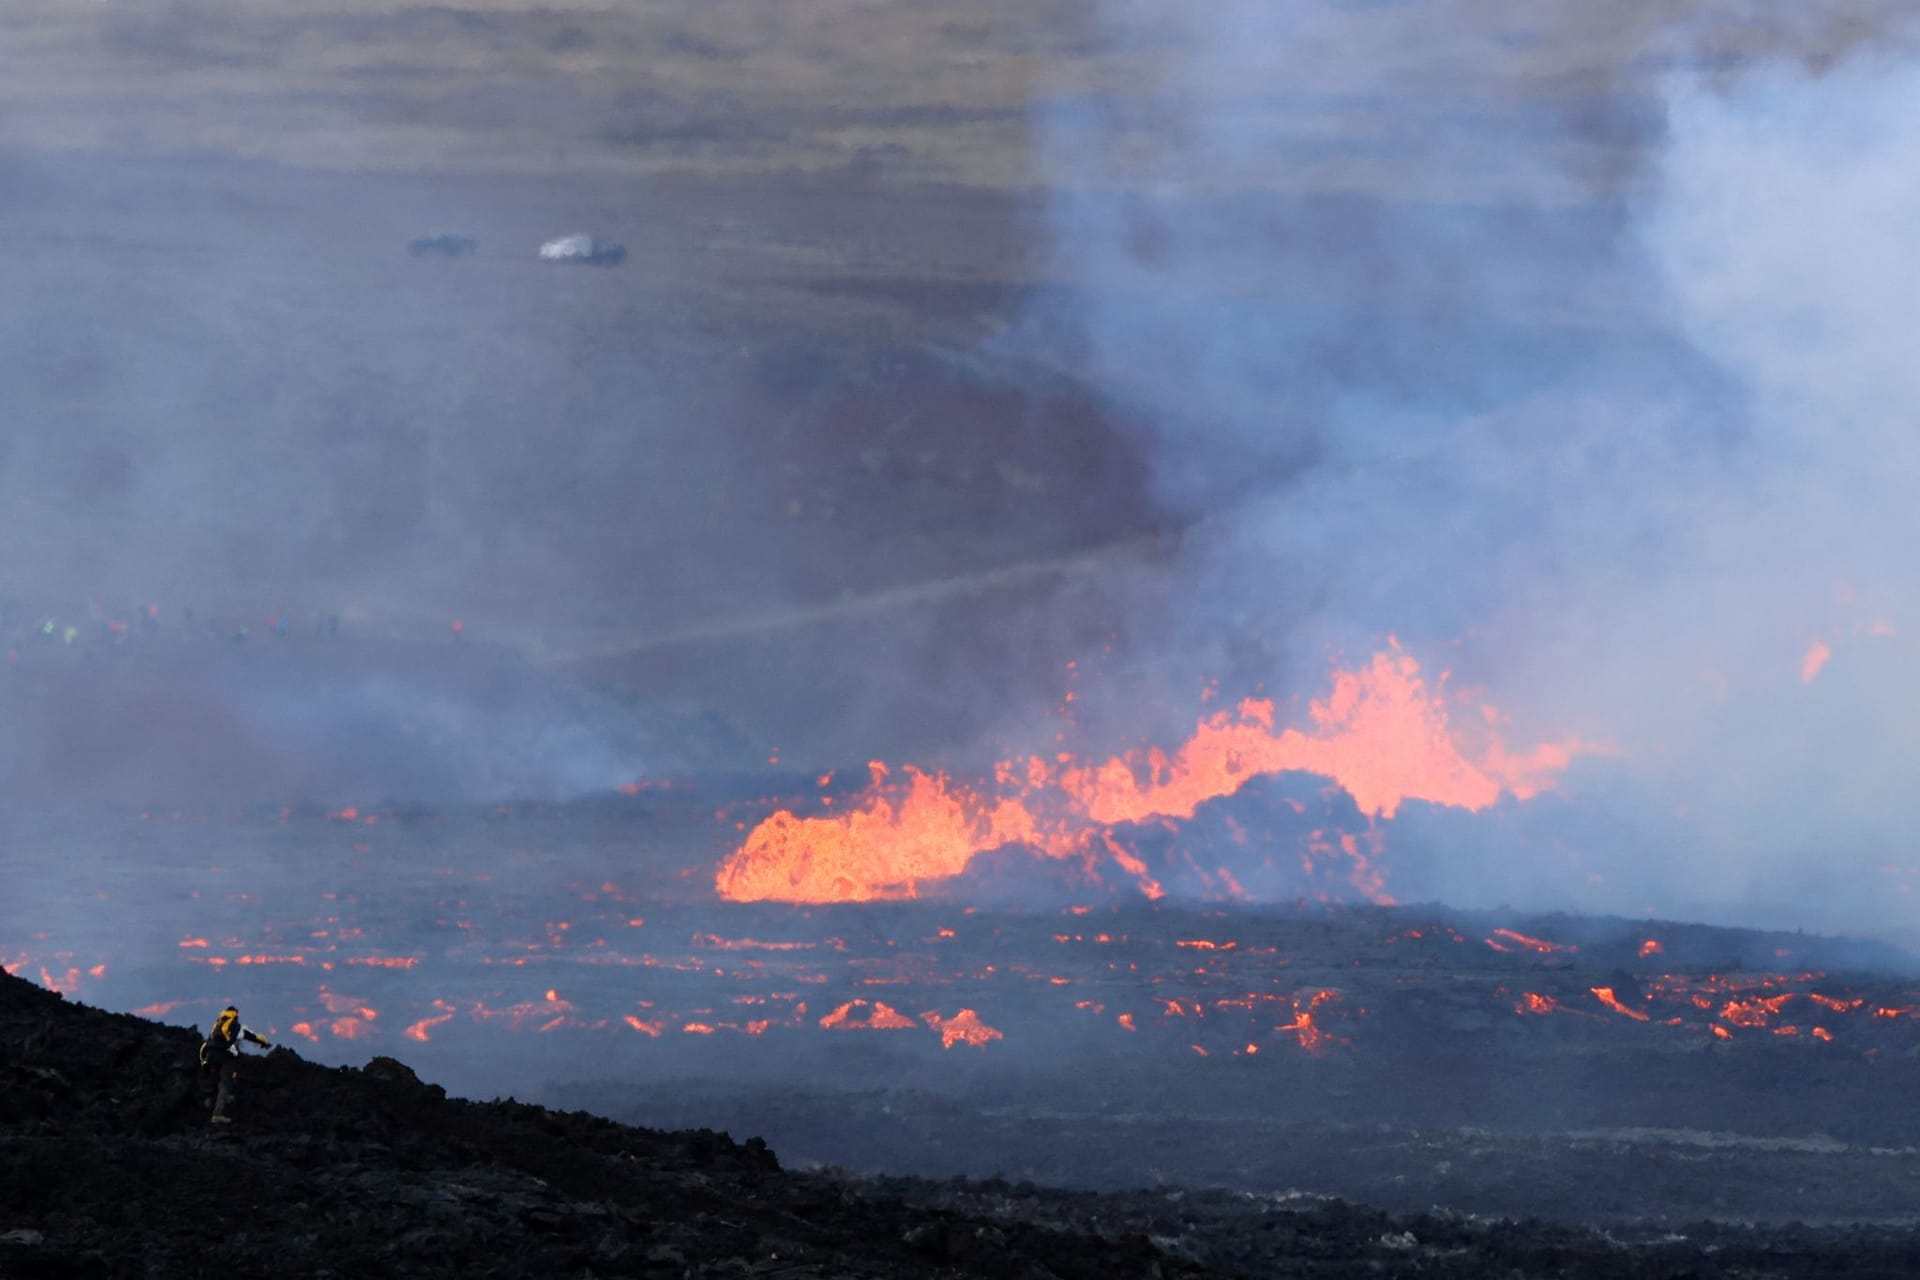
[{"x": 109, "y": 1168}]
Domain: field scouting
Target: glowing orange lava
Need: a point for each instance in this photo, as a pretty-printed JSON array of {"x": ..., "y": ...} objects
[
  {"x": 1521, "y": 941},
  {"x": 1313, "y": 1037},
  {"x": 421, "y": 1031},
  {"x": 1606, "y": 997},
  {"x": 1756, "y": 1012},
  {"x": 1382, "y": 733},
  {"x": 881, "y": 850},
  {"x": 859, "y": 1015},
  {"x": 159, "y": 1009},
  {"x": 1813, "y": 660},
  {"x": 963, "y": 1027}
]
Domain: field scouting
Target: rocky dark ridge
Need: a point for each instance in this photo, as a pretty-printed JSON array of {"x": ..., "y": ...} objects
[{"x": 108, "y": 1167}]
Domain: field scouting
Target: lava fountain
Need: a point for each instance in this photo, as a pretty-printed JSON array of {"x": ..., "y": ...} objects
[{"x": 1382, "y": 732}]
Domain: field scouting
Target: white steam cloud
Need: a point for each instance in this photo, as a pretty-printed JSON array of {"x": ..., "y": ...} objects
[{"x": 1592, "y": 384}]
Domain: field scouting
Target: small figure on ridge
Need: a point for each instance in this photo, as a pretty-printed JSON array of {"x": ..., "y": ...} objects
[{"x": 220, "y": 1056}]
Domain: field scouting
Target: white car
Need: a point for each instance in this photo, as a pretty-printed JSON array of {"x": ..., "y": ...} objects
[{"x": 581, "y": 247}]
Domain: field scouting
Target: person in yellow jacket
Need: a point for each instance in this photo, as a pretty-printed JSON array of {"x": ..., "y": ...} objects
[{"x": 220, "y": 1057}]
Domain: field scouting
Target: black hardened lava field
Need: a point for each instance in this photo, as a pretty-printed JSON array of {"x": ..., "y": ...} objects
[
  {"x": 1496, "y": 1063},
  {"x": 108, "y": 1167}
]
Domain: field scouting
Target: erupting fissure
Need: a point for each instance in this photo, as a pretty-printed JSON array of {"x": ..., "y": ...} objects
[{"x": 1382, "y": 733}]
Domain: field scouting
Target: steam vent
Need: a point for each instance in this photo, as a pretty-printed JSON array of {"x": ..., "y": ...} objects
[{"x": 973, "y": 639}]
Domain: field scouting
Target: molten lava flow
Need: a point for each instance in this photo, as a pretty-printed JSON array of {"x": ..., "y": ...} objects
[
  {"x": 1313, "y": 1037},
  {"x": 963, "y": 1027},
  {"x": 1382, "y": 733},
  {"x": 338, "y": 1004},
  {"x": 1507, "y": 940},
  {"x": 881, "y": 850},
  {"x": 159, "y": 1009},
  {"x": 1606, "y": 997},
  {"x": 859, "y": 1015},
  {"x": 1124, "y": 859},
  {"x": 1813, "y": 660},
  {"x": 421, "y": 1031},
  {"x": 718, "y": 943},
  {"x": 1756, "y": 1012}
]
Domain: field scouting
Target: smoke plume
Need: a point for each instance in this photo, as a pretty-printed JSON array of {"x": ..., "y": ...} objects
[{"x": 1585, "y": 379}]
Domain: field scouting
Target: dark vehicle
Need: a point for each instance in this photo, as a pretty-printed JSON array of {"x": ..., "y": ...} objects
[
  {"x": 442, "y": 244},
  {"x": 581, "y": 247}
]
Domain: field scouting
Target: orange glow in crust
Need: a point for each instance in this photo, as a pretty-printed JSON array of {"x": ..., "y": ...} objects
[
  {"x": 1813, "y": 660},
  {"x": 860, "y": 1015},
  {"x": 160, "y": 1009},
  {"x": 963, "y": 1027},
  {"x": 1313, "y": 1037},
  {"x": 421, "y": 1031},
  {"x": 1606, "y": 997},
  {"x": 1756, "y": 1012},
  {"x": 1508, "y": 940},
  {"x": 1382, "y": 733}
]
